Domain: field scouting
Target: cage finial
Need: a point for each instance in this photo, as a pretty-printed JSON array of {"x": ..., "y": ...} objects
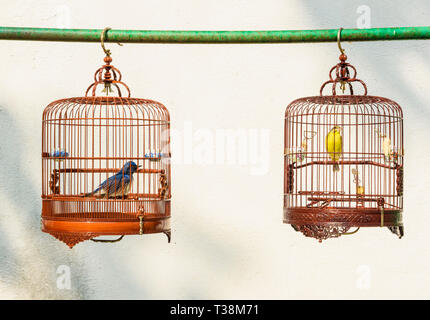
[
  {"x": 342, "y": 73},
  {"x": 109, "y": 76}
]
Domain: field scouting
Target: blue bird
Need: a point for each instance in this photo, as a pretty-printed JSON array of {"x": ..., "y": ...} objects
[
  {"x": 59, "y": 154},
  {"x": 118, "y": 185}
]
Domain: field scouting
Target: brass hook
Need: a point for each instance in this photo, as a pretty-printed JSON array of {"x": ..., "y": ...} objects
[
  {"x": 102, "y": 40},
  {"x": 342, "y": 51}
]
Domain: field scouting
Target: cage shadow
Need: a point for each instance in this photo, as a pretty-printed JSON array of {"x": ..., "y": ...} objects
[{"x": 22, "y": 244}]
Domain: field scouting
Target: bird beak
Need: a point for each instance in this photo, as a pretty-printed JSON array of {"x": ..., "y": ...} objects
[{"x": 139, "y": 166}]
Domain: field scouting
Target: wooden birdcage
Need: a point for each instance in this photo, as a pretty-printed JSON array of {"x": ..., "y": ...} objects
[
  {"x": 343, "y": 161},
  {"x": 88, "y": 140}
]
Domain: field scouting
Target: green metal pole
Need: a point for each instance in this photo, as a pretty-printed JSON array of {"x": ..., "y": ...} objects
[{"x": 149, "y": 36}]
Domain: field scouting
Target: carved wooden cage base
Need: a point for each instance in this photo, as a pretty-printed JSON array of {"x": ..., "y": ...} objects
[
  {"x": 333, "y": 222},
  {"x": 321, "y": 232},
  {"x": 72, "y": 233},
  {"x": 103, "y": 217},
  {"x": 72, "y": 239}
]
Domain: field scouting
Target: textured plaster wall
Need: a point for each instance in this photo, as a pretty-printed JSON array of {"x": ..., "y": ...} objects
[{"x": 228, "y": 236}]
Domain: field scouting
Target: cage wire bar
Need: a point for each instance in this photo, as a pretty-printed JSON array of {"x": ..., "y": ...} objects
[{"x": 186, "y": 36}]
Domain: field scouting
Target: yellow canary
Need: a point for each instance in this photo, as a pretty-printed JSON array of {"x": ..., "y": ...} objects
[{"x": 333, "y": 145}]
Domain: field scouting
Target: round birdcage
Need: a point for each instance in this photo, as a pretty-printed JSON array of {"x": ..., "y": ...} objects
[
  {"x": 343, "y": 160},
  {"x": 105, "y": 164}
]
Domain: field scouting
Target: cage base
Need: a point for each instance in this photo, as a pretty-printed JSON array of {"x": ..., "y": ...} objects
[
  {"x": 73, "y": 232},
  {"x": 330, "y": 222}
]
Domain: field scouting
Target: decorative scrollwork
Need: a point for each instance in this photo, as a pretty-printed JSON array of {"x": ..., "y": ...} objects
[
  {"x": 107, "y": 75},
  {"x": 162, "y": 191},
  {"x": 328, "y": 217},
  {"x": 71, "y": 239},
  {"x": 399, "y": 176},
  {"x": 343, "y": 76},
  {"x": 290, "y": 179},
  {"x": 322, "y": 232}
]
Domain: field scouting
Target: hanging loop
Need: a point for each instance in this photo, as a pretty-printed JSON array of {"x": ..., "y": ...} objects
[
  {"x": 340, "y": 73},
  {"x": 342, "y": 51},
  {"x": 107, "y": 75},
  {"x": 102, "y": 41}
]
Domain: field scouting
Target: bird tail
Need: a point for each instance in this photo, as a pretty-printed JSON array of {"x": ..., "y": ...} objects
[
  {"x": 89, "y": 194},
  {"x": 336, "y": 167}
]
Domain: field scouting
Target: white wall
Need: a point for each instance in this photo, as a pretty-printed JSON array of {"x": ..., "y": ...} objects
[{"x": 228, "y": 237}]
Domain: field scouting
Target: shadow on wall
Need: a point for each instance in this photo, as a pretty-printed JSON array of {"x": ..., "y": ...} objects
[{"x": 28, "y": 258}]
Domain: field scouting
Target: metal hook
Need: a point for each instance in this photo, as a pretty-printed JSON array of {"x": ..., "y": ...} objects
[
  {"x": 102, "y": 40},
  {"x": 342, "y": 51}
]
